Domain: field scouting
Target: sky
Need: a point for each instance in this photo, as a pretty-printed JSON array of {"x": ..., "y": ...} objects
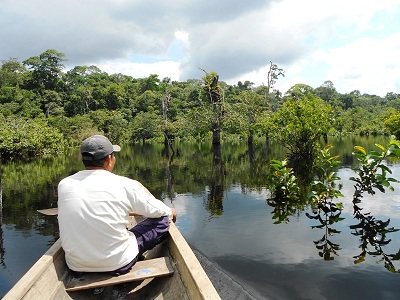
[{"x": 354, "y": 44}]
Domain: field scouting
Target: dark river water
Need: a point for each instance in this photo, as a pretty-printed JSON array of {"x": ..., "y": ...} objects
[{"x": 223, "y": 213}]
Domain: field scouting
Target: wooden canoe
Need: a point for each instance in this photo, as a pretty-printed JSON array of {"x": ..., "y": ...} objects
[{"x": 50, "y": 278}]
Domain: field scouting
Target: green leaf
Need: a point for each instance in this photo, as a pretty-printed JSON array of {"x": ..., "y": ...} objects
[
  {"x": 359, "y": 260},
  {"x": 360, "y": 149},
  {"x": 380, "y": 147}
]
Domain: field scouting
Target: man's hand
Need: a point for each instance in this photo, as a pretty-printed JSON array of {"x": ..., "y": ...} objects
[{"x": 173, "y": 214}]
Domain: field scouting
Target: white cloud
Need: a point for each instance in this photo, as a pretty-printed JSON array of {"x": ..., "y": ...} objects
[
  {"x": 140, "y": 70},
  {"x": 366, "y": 65},
  {"x": 182, "y": 35},
  {"x": 352, "y": 43}
]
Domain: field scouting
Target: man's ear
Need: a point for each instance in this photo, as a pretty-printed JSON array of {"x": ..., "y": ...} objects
[{"x": 108, "y": 163}]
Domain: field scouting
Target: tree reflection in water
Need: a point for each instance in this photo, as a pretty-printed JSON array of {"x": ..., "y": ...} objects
[
  {"x": 2, "y": 250},
  {"x": 215, "y": 196},
  {"x": 168, "y": 174},
  {"x": 372, "y": 232},
  {"x": 372, "y": 175},
  {"x": 327, "y": 214}
]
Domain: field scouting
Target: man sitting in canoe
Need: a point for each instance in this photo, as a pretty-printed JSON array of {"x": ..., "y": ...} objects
[{"x": 93, "y": 214}]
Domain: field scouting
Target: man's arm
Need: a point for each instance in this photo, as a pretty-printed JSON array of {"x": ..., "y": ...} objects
[{"x": 151, "y": 198}]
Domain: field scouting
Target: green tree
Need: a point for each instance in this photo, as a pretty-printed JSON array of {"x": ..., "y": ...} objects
[
  {"x": 115, "y": 96},
  {"x": 79, "y": 101},
  {"x": 348, "y": 100},
  {"x": 11, "y": 73},
  {"x": 300, "y": 124},
  {"x": 81, "y": 81},
  {"x": 148, "y": 101},
  {"x": 145, "y": 125},
  {"x": 46, "y": 69},
  {"x": 195, "y": 123},
  {"x": 243, "y": 116},
  {"x": 75, "y": 129},
  {"x": 393, "y": 124},
  {"x": 393, "y": 100},
  {"x": 51, "y": 102},
  {"x": 355, "y": 120},
  {"x": 28, "y": 138},
  {"x": 46, "y": 79},
  {"x": 150, "y": 83},
  {"x": 328, "y": 93}
]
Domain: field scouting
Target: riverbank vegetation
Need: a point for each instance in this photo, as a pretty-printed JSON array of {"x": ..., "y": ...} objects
[{"x": 44, "y": 108}]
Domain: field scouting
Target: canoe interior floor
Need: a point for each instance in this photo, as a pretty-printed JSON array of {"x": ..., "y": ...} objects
[{"x": 162, "y": 288}]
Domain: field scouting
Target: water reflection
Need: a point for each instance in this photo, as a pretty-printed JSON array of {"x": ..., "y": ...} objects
[
  {"x": 373, "y": 232},
  {"x": 2, "y": 250},
  {"x": 283, "y": 209},
  {"x": 327, "y": 214},
  {"x": 273, "y": 247},
  {"x": 168, "y": 174},
  {"x": 215, "y": 197}
]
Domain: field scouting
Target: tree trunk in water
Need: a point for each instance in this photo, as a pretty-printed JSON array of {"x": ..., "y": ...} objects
[
  {"x": 216, "y": 100},
  {"x": 216, "y": 124},
  {"x": 214, "y": 91},
  {"x": 216, "y": 133},
  {"x": 215, "y": 197},
  {"x": 250, "y": 138},
  {"x": 267, "y": 143},
  {"x": 251, "y": 158}
]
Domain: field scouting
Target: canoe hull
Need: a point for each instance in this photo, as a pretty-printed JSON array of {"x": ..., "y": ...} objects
[{"x": 49, "y": 276}]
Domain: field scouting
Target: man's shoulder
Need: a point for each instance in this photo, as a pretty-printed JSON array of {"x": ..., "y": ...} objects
[
  {"x": 124, "y": 179},
  {"x": 72, "y": 176}
]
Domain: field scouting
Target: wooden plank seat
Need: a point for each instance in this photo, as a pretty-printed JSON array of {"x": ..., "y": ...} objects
[{"x": 156, "y": 267}]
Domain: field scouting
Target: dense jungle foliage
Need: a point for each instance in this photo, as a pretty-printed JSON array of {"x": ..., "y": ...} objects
[{"x": 43, "y": 108}]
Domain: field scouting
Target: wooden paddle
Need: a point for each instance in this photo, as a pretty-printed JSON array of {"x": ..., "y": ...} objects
[{"x": 54, "y": 212}]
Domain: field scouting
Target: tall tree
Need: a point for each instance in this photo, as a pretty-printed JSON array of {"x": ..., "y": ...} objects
[
  {"x": 328, "y": 93},
  {"x": 150, "y": 83},
  {"x": 165, "y": 101},
  {"x": 46, "y": 69},
  {"x": 213, "y": 91},
  {"x": 273, "y": 73},
  {"x": 245, "y": 113},
  {"x": 11, "y": 72}
]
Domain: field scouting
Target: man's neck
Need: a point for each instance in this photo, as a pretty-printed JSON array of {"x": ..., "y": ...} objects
[{"x": 95, "y": 168}]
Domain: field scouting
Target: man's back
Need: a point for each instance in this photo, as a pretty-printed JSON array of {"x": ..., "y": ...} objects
[{"x": 93, "y": 215}]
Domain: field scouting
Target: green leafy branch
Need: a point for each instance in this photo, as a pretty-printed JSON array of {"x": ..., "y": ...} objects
[
  {"x": 373, "y": 174},
  {"x": 284, "y": 191},
  {"x": 326, "y": 211}
]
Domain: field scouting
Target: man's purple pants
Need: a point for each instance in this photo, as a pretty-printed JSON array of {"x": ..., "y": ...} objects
[{"x": 149, "y": 233}]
